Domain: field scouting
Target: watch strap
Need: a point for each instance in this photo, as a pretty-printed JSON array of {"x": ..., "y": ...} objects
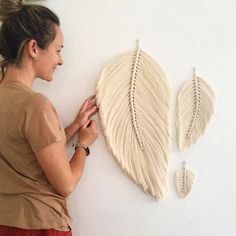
[{"x": 86, "y": 148}]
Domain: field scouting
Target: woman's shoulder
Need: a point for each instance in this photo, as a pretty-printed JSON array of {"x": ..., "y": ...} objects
[{"x": 38, "y": 100}]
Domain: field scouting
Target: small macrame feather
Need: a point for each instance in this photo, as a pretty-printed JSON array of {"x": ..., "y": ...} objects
[
  {"x": 184, "y": 180},
  {"x": 195, "y": 107},
  {"x": 133, "y": 96}
]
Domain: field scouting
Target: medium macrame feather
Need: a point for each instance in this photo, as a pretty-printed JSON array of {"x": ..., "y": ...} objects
[
  {"x": 184, "y": 180},
  {"x": 133, "y": 96},
  {"x": 195, "y": 106}
]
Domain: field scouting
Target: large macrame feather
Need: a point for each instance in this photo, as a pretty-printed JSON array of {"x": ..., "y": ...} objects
[
  {"x": 133, "y": 96},
  {"x": 195, "y": 106}
]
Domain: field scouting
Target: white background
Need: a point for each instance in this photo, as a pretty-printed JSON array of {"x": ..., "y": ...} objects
[{"x": 179, "y": 35}]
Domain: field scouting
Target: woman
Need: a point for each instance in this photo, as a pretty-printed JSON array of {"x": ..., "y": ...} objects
[{"x": 35, "y": 175}]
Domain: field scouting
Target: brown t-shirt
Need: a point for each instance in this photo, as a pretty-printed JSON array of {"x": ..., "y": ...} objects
[{"x": 28, "y": 123}]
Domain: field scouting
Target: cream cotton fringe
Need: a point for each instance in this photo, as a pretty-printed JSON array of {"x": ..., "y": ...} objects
[
  {"x": 195, "y": 107},
  {"x": 133, "y": 96}
]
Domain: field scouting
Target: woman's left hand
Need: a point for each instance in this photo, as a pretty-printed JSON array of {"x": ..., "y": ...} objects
[{"x": 87, "y": 110}]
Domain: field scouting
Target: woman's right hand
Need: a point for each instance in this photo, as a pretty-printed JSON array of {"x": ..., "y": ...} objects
[{"x": 88, "y": 133}]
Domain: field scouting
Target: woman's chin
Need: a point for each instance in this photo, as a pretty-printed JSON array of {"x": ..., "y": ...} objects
[{"x": 48, "y": 79}]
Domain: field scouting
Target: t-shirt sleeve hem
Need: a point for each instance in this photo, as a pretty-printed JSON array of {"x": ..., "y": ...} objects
[{"x": 46, "y": 144}]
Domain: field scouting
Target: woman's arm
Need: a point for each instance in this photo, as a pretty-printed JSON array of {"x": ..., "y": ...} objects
[
  {"x": 87, "y": 110},
  {"x": 62, "y": 173}
]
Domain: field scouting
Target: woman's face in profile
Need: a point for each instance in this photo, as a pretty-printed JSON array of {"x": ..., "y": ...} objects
[{"x": 49, "y": 58}]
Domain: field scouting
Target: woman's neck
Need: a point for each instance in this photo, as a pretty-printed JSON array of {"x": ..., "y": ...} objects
[{"x": 17, "y": 74}]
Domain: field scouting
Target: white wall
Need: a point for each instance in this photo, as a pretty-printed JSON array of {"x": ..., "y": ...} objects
[{"x": 179, "y": 35}]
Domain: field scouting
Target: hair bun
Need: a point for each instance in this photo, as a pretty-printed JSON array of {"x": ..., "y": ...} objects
[{"x": 9, "y": 7}]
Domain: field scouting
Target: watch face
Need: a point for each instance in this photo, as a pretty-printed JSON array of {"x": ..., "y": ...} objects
[{"x": 87, "y": 151}]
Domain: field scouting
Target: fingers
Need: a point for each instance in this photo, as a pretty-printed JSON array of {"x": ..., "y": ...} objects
[
  {"x": 86, "y": 124},
  {"x": 88, "y": 103},
  {"x": 92, "y": 111},
  {"x": 88, "y": 110},
  {"x": 91, "y": 97},
  {"x": 87, "y": 135},
  {"x": 93, "y": 125},
  {"x": 91, "y": 102},
  {"x": 95, "y": 112}
]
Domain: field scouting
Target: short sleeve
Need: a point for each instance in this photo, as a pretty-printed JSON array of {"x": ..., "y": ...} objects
[{"x": 42, "y": 126}]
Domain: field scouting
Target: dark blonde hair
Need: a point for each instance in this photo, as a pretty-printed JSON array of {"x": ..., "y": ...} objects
[{"x": 21, "y": 23}]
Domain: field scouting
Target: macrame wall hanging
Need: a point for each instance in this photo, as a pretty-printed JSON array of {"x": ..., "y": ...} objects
[
  {"x": 195, "y": 106},
  {"x": 133, "y": 96},
  {"x": 184, "y": 180}
]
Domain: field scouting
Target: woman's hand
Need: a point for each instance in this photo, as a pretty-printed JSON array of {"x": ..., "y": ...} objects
[
  {"x": 88, "y": 133},
  {"x": 87, "y": 110}
]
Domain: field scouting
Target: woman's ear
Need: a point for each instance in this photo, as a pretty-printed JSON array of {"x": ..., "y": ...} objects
[{"x": 33, "y": 49}]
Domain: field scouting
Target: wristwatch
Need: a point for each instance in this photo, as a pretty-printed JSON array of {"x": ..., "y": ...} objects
[{"x": 86, "y": 148}]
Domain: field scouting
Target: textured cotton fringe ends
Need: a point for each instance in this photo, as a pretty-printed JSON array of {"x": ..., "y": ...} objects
[
  {"x": 133, "y": 96},
  {"x": 195, "y": 107}
]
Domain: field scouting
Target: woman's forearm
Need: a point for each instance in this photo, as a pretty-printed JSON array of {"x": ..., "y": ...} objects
[
  {"x": 77, "y": 163},
  {"x": 71, "y": 130}
]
